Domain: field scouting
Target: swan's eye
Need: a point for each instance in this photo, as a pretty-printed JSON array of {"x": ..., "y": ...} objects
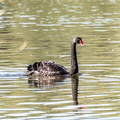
[{"x": 78, "y": 41}]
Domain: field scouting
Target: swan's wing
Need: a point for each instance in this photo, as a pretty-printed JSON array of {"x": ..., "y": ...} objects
[{"x": 48, "y": 68}]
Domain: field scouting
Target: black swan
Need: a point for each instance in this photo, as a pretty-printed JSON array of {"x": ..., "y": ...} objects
[{"x": 49, "y": 68}]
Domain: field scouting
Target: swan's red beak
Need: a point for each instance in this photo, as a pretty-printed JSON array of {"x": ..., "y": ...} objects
[{"x": 81, "y": 42}]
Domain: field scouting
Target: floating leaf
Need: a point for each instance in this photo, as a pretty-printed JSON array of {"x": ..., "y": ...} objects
[{"x": 23, "y": 46}]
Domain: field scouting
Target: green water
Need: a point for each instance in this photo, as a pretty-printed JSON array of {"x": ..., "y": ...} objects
[{"x": 42, "y": 30}]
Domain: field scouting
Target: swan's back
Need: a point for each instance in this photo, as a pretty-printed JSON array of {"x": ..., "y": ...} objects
[{"x": 46, "y": 68}]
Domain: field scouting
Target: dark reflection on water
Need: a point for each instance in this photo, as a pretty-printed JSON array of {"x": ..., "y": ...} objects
[
  {"x": 45, "y": 80},
  {"x": 74, "y": 83},
  {"x": 50, "y": 81}
]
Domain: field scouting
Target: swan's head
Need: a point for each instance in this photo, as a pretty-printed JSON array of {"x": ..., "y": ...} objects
[{"x": 78, "y": 40}]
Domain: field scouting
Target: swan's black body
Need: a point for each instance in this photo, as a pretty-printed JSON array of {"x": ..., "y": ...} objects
[
  {"x": 46, "y": 68},
  {"x": 52, "y": 68}
]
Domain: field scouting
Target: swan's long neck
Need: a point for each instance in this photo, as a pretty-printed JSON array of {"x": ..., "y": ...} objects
[{"x": 74, "y": 64}]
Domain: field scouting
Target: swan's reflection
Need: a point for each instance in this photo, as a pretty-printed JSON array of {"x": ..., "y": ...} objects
[
  {"x": 52, "y": 80},
  {"x": 45, "y": 80},
  {"x": 74, "y": 83}
]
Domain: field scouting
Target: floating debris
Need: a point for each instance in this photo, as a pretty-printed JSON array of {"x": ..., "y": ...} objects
[{"x": 23, "y": 46}]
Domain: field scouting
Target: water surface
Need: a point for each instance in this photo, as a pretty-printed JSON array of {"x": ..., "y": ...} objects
[{"x": 40, "y": 30}]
